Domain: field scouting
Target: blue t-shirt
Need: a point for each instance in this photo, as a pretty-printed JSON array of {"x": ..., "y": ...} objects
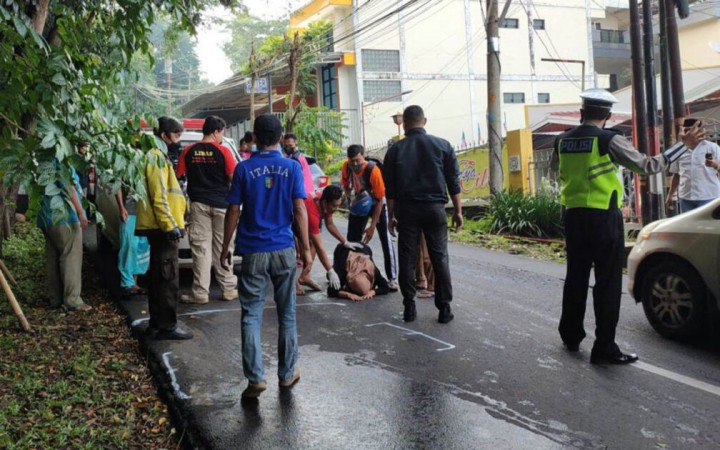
[
  {"x": 64, "y": 215},
  {"x": 266, "y": 185}
]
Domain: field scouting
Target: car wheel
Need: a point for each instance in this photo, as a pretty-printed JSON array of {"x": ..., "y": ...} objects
[{"x": 673, "y": 297}]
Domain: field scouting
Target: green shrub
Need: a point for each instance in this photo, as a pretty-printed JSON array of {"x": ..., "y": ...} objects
[
  {"x": 535, "y": 216},
  {"x": 24, "y": 256}
]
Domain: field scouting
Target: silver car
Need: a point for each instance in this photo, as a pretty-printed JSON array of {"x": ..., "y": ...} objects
[{"x": 673, "y": 270}]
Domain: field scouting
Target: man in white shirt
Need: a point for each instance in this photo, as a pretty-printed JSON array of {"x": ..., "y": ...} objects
[{"x": 696, "y": 172}]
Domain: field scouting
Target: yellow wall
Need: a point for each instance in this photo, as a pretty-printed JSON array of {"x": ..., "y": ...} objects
[
  {"x": 694, "y": 44},
  {"x": 475, "y": 173},
  {"x": 519, "y": 151},
  {"x": 312, "y": 8}
]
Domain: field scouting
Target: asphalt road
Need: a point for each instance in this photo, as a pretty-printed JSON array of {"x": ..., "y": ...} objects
[{"x": 496, "y": 377}]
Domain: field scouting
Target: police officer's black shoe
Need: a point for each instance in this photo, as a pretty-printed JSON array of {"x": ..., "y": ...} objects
[
  {"x": 614, "y": 358},
  {"x": 410, "y": 312},
  {"x": 572, "y": 347},
  {"x": 446, "y": 314},
  {"x": 173, "y": 335}
]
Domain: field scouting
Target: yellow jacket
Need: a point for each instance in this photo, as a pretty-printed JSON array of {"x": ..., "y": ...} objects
[{"x": 164, "y": 207}]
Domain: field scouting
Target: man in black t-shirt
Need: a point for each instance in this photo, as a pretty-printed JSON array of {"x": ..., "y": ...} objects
[{"x": 208, "y": 167}]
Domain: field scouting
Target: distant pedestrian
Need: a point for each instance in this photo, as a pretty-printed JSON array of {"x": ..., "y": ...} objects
[
  {"x": 420, "y": 171},
  {"x": 160, "y": 218},
  {"x": 272, "y": 195},
  {"x": 591, "y": 193},
  {"x": 363, "y": 183},
  {"x": 247, "y": 145},
  {"x": 134, "y": 252},
  {"x": 291, "y": 150},
  {"x": 62, "y": 219},
  {"x": 209, "y": 168},
  {"x": 696, "y": 173}
]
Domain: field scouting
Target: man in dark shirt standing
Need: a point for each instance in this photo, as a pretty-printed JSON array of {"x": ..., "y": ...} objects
[
  {"x": 420, "y": 171},
  {"x": 209, "y": 167}
]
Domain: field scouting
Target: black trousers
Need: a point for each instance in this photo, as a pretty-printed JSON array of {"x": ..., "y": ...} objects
[
  {"x": 429, "y": 218},
  {"x": 164, "y": 283},
  {"x": 594, "y": 237},
  {"x": 356, "y": 231}
]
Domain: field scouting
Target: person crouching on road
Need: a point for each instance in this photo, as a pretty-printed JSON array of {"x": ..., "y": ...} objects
[
  {"x": 160, "y": 217},
  {"x": 317, "y": 210},
  {"x": 271, "y": 192},
  {"x": 591, "y": 193},
  {"x": 359, "y": 277}
]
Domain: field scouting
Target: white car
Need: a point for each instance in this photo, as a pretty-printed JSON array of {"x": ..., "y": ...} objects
[
  {"x": 673, "y": 270},
  {"x": 107, "y": 206}
]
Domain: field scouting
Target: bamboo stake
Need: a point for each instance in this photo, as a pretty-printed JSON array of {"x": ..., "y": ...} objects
[
  {"x": 13, "y": 301},
  {"x": 7, "y": 273}
]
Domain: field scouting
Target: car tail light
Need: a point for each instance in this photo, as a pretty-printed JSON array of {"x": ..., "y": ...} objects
[{"x": 324, "y": 180}]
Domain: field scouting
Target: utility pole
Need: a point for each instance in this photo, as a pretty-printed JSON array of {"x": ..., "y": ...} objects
[
  {"x": 493, "y": 94},
  {"x": 168, "y": 84},
  {"x": 655, "y": 191},
  {"x": 666, "y": 92},
  {"x": 640, "y": 122},
  {"x": 675, "y": 63}
]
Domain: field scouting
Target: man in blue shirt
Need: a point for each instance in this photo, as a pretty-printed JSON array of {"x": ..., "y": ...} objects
[
  {"x": 62, "y": 219},
  {"x": 271, "y": 192}
]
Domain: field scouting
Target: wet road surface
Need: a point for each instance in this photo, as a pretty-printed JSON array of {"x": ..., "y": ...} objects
[{"x": 496, "y": 377}]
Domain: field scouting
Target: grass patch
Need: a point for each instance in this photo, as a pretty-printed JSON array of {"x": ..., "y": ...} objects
[
  {"x": 78, "y": 380},
  {"x": 475, "y": 232}
]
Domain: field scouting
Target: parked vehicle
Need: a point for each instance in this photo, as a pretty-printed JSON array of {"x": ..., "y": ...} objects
[
  {"x": 320, "y": 180},
  {"x": 673, "y": 271},
  {"x": 106, "y": 204}
]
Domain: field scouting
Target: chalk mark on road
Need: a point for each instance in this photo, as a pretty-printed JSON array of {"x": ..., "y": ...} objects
[
  {"x": 173, "y": 379},
  {"x": 692, "y": 382},
  {"x": 205, "y": 312},
  {"x": 410, "y": 332}
]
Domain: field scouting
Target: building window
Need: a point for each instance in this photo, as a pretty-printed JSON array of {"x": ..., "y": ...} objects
[
  {"x": 386, "y": 90},
  {"x": 381, "y": 60},
  {"x": 513, "y": 97},
  {"x": 612, "y": 36},
  {"x": 329, "y": 86},
  {"x": 539, "y": 24},
  {"x": 510, "y": 23},
  {"x": 543, "y": 97}
]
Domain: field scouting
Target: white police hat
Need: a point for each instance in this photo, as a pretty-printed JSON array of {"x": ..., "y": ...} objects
[{"x": 598, "y": 97}]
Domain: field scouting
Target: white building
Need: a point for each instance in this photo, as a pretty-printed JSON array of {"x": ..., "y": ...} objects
[{"x": 394, "y": 53}]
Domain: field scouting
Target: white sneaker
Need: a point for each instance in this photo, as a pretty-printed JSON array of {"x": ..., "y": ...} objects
[{"x": 193, "y": 300}]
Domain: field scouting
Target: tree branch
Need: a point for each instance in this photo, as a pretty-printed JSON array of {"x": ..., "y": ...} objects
[{"x": 40, "y": 17}]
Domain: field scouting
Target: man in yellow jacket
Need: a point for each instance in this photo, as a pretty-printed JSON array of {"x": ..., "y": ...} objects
[{"x": 161, "y": 219}]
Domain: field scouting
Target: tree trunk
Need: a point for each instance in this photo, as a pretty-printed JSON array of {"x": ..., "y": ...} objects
[{"x": 294, "y": 71}]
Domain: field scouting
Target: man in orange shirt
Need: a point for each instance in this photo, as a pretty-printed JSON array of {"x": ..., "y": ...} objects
[{"x": 359, "y": 176}]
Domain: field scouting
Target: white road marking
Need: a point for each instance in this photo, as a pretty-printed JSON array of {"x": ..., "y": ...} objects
[
  {"x": 205, "y": 312},
  {"x": 410, "y": 332},
  {"x": 173, "y": 379},
  {"x": 692, "y": 382}
]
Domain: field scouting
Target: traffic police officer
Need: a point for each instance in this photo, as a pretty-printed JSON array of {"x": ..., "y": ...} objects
[{"x": 588, "y": 157}]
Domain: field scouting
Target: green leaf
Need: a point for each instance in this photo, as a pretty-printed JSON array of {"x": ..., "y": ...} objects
[
  {"x": 65, "y": 148},
  {"x": 48, "y": 141},
  {"x": 59, "y": 79}
]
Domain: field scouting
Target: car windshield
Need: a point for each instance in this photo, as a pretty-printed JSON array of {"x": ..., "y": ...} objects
[{"x": 316, "y": 170}]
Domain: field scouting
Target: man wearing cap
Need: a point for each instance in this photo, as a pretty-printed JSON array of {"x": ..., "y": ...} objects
[
  {"x": 591, "y": 194},
  {"x": 272, "y": 194}
]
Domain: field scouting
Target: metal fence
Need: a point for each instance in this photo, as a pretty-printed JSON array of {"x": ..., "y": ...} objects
[{"x": 350, "y": 129}]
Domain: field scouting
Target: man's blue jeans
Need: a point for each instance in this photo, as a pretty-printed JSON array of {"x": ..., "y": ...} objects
[
  {"x": 258, "y": 270},
  {"x": 689, "y": 205}
]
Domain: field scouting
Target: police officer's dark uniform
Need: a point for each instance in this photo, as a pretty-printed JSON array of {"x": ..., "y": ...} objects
[{"x": 588, "y": 157}]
